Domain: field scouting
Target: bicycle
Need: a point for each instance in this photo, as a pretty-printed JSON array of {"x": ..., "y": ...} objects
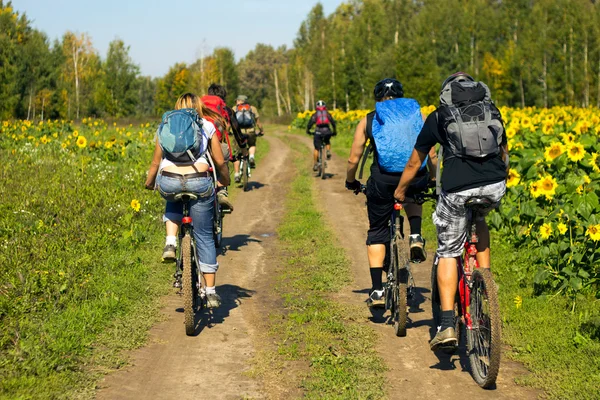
[
  {"x": 399, "y": 287},
  {"x": 186, "y": 274},
  {"x": 477, "y": 308},
  {"x": 321, "y": 163},
  {"x": 245, "y": 170}
]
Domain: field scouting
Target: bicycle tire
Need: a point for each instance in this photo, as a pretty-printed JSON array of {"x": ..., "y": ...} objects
[
  {"x": 218, "y": 224},
  {"x": 188, "y": 284},
  {"x": 323, "y": 165},
  {"x": 401, "y": 319},
  {"x": 484, "y": 346},
  {"x": 246, "y": 165}
]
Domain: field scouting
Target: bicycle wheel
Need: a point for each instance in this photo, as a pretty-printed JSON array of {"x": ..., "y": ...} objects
[
  {"x": 188, "y": 284},
  {"x": 246, "y": 166},
  {"x": 217, "y": 224},
  {"x": 401, "y": 257},
  {"x": 483, "y": 339},
  {"x": 323, "y": 163}
]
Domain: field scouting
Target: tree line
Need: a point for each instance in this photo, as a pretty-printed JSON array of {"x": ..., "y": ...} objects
[{"x": 530, "y": 52}]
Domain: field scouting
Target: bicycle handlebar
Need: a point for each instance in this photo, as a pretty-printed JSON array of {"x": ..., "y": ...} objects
[{"x": 417, "y": 198}]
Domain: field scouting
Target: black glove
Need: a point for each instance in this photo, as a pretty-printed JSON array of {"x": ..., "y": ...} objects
[{"x": 355, "y": 186}]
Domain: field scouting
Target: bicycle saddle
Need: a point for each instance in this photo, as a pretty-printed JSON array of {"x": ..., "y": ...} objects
[
  {"x": 185, "y": 196},
  {"x": 479, "y": 203}
]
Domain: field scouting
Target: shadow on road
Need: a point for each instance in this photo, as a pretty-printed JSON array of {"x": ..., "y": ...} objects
[
  {"x": 234, "y": 243},
  {"x": 231, "y": 297}
]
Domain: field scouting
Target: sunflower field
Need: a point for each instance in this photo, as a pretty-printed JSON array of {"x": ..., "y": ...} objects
[{"x": 552, "y": 203}]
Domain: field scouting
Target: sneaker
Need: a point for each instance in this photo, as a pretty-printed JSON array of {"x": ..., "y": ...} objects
[
  {"x": 376, "y": 299},
  {"x": 224, "y": 200},
  {"x": 251, "y": 162},
  {"x": 316, "y": 167},
  {"x": 328, "y": 155},
  {"x": 169, "y": 254},
  {"x": 444, "y": 339},
  {"x": 237, "y": 177},
  {"x": 417, "y": 248},
  {"x": 213, "y": 300}
]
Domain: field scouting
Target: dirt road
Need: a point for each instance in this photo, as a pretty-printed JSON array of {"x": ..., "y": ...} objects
[
  {"x": 214, "y": 364},
  {"x": 414, "y": 371}
]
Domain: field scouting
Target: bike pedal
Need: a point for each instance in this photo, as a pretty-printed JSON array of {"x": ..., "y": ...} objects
[{"x": 226, "y": 211}]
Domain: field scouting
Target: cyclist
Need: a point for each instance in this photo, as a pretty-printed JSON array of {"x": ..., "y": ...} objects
[
  {"x": 248, "y": 120},
  {"x": 323, "y": 119},
  {"x": 392, "y": 128},
  {"x": 171, "y": 178},
  {"x": 216, "y": 98},
  {"x": 470, "y": 169}
]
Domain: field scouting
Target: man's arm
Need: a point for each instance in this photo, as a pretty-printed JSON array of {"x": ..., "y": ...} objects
[
  {"x": 311, "y": 122},
  {"x": 432, "y": 163},
  {"x": 333, "y": 124},
  {"x": 410, "y": 171},
  {"x": 358, "y": 146}
]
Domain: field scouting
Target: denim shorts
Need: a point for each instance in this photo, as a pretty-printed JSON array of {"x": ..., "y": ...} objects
[
  {"x": 450, "y": 216},
  {"x": 201, "y": 211}
]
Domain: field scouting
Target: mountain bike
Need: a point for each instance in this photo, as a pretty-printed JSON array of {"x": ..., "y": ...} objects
[
  {"x": 187, "y": 278},
  {"x": 477, "y": 308},
  {"x": 245, "y": 170},
  {"x": 399, "y": 287},
  {"x": 321, "y": 163}
]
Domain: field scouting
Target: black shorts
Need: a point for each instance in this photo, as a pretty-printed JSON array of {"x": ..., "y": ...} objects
[
  {"x": 380, "y": 203},
  {"x": 322, "y": 135}
]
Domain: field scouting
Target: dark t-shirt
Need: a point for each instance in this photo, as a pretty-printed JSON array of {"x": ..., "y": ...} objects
[
  {"x": 388, "y": 178},
  {"x": 459, "y": 173}
]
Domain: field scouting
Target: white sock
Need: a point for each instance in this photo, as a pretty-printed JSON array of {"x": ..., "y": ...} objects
[
  {"x": 210, "y": 290},
  {"x": 252, "y": 157},
  {"x": 171, "y": 240},
  {"x": 414, "y": 235}
]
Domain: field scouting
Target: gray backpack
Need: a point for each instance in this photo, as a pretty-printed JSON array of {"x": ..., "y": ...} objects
[{"x": 473, "y": 128}]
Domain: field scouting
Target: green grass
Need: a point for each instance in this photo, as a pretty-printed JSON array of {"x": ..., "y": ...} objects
[{"x": 314, "y": 327}]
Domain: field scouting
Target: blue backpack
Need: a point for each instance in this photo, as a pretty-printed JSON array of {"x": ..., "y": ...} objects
[
  {"x": 396, "y": 125},
  {"x": 181, "y": 137}
]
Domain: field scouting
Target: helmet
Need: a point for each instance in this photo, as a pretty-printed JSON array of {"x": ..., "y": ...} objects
[
  {"x": 321, "y": 103},
  {"x": 458, "y": 77},
  {"x": 388, "y": 88}
]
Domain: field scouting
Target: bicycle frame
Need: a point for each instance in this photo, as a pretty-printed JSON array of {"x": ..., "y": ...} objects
[
  {"x": 466, "y": 266},
  {"x": 186, "y": 228}
]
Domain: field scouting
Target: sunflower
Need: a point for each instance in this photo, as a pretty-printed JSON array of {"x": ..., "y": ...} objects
[
  {"x": 575, "y": 151},
  {"x": 545, "y": 231},
  {"x": 534, "y": 188},
  {"x": 44, "y": 139},
  {"x": 75, "y": 133},
  {"x": 511, "y": 131},
  {"x": 548, "y": 127},
  {"x": 568, "y": 138},
  {"x": 595, "y": 162},
  {"x": 562, "y": 228},
  {"x": 135, "y": 204},
  {"x": 81, "y": 142},
  {"x": 587, "y": 180},
  {"x": 554, "y": 150},
  {"x": 547, "y": 186},
  {"x": 593, "y": 231},
  {"x": 513, "y": 178}
]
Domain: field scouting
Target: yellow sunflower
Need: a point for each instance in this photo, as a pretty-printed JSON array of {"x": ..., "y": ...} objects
[
  {"x": 44, "y": 139},
  {"x": 547, "y": 186},
  {"x": 568, "y": 138},
  {"x": 562, "y": 228},
  {"x": 534, "y": 189},
  {"x": 554, "y": 150},
  {"x": 513, "y": 178},
  {"x": 575, "y": 151},
  {"x": 75, "y": 133},
  {"x": 81, "y": 142},
  {"x": 545, "y": 231},
  {"x": 135, "y": 204},
  {"x": 511, "y": 131},
  {"x": 593, "y": 231},
  {"x": 595, "y": 162}
]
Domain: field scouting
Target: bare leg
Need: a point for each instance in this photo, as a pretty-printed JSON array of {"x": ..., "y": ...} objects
[
  {"x": 251, "y": 151},
  {"x": 413, "y": 210},
  {"x": 236, "y": 167},
  {"x": 316, "y": 156},
  {"x": 210, "y": 279},
  {"x": 376, "y": 255},
  {"x": 447, "y": 280},
  {"x": 483, "y": 246},
  {"x": 172, "y": 228}
]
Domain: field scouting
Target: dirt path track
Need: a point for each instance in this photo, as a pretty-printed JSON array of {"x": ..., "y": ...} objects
[
  {"x": 414, "y": 371},
  {"x": 212, "y": 365}
]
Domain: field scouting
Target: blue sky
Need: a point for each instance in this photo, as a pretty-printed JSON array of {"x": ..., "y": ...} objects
[{"x": 162, "y": 33}]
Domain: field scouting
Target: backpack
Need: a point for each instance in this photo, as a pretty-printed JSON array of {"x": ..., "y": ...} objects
[
  {"x": 472, "y": 122},
  {"x": 217, "y": 104},
  {"x": 181, "y": 137},
  {"x": 322, "y": 116},
  {"x": 245, "y": 116},
  {"x": 395, "y": 127}
]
